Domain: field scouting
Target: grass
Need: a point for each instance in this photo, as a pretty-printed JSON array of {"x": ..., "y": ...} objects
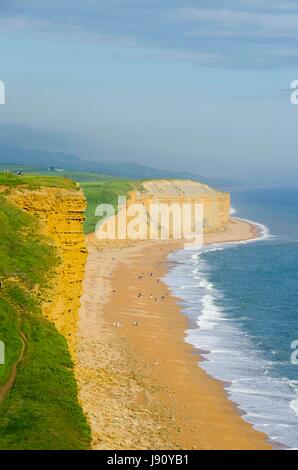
[
  {"x": 98, "y": 188},
  {"x": 36, "y": 182},
  {"x": 104, "y": 192},
  {"x": 74, "y": 175},
  {"x": 41, "y": 411}
]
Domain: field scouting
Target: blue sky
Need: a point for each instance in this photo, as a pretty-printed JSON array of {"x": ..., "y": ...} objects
[{"x": 196, "y": 85}]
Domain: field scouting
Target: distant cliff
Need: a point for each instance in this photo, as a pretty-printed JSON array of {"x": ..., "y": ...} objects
[
  {"x": 61, "y": 213},
  {"x": 216, "y": 204}
]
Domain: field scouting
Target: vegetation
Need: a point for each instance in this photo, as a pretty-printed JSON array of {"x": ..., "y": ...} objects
[
  {"x": 104, "y": 192},
  {"x": 35, "y": 181},
  {"x": 70, "y": 174},
  {"x": 41, "y": 411}
]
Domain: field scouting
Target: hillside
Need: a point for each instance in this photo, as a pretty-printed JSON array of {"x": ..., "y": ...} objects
[
  {"x": 105, "y": 191},
  {"x": 39, "y": 408},
  {"x": 216, "y": 204},
  {"x": 40, "y": 160}
]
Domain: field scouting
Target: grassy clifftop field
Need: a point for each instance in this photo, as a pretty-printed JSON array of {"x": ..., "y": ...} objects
[
  {"x": 104, "y": 192},
  {"x": 39, "y": 407},
  {"x": 33, "y": 182}
]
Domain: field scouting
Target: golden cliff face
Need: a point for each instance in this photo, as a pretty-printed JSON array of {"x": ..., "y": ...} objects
[
  {"x": 216, "y": 204},
  {"x": 171, "y": 193},
  {"x": 61, "y": 213}
]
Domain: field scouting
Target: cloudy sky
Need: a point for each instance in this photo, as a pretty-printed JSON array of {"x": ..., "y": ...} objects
[{"x": 181, "y": 84}]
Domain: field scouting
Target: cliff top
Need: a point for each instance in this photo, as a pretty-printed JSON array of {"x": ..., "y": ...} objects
[
  {"x": 36, "y": 182},
  {"x": 174, "y": 188}
]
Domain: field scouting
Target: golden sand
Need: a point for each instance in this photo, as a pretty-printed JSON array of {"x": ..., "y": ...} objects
[{"x": 140, "y": 384}]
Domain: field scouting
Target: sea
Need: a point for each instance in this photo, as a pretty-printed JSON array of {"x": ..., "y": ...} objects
[{"x": 241, "y": 300}]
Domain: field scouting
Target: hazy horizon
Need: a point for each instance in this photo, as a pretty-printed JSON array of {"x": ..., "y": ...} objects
[{"x": 198, "y": 86}]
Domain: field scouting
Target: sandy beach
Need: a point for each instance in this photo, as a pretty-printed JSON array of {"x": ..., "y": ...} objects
[{"x": 140, "y": 383}]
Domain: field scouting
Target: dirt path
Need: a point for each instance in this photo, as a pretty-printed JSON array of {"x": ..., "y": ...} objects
[{"x": 8, "y": 385}]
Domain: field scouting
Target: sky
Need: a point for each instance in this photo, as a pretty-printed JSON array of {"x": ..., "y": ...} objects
[{"x": 202, "y": 86}]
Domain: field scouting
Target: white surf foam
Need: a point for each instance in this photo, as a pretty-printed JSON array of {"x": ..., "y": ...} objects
[
  {"x": 270, "y": 403},
  {"x": 263, "y": 229},
  {"x": 294, "y": 403}
]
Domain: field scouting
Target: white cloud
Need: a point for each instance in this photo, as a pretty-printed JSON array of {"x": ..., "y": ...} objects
[
  {"x": 204, "y": 24},
  {"x": 239, "y": 19},
  {"x": 205, "y": 32},
  {"x": 20, "y": 23}
]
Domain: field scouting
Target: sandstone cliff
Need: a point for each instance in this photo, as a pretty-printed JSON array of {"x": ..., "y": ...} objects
[
  {"x": 61, "y": 213},
  {"x": 216, "y": 204}
]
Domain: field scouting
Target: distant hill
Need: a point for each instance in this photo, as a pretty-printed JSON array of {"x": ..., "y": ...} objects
[{"x": 42, "y": 160}]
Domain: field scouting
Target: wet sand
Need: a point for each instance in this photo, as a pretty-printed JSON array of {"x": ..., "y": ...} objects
[{"x": 140, "y": 383}]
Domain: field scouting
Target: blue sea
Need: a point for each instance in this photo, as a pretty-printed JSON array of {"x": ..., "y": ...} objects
[{"x": 242, "y": 304}]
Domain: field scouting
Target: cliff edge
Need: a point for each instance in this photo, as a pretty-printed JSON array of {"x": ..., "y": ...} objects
[{"x": 61, "y": 213}]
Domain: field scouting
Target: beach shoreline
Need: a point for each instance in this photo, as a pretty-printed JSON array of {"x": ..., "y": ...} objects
[{"x": 139, "y": 381}]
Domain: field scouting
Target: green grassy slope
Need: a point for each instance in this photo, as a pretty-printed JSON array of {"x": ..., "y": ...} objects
[
  {"x": 35, "y": 182},
  {"x": 41, "y": 411},
  {"x": 104, "y": 192}
]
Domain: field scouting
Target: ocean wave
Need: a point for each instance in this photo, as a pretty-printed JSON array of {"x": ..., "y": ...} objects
[
  {"x": 264, "y": 230},
  {"x": 294, "y": 403},
  {"x": 230, "y": 353}
]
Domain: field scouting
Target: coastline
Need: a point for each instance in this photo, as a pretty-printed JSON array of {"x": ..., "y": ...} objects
[{"x": 140, "y": 384}]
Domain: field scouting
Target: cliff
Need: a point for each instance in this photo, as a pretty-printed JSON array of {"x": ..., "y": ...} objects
[
  {"x": 61, "y": 213},
  {"x": 216, "y": 204}
]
